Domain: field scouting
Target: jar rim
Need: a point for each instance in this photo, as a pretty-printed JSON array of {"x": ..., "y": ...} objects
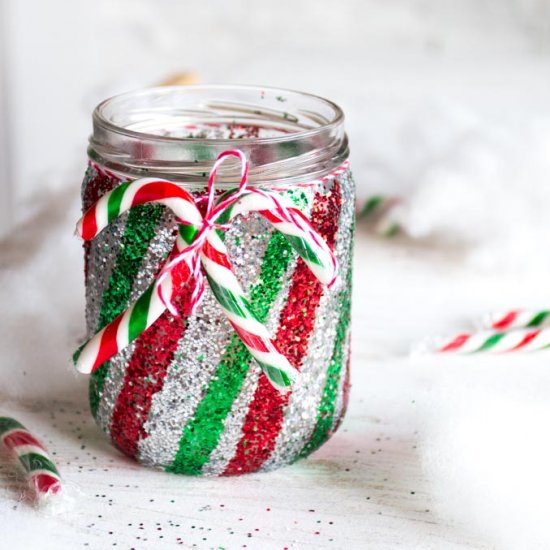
[
  {"x": 100, "y": 118},
  {"x": 177, "y": 132}
]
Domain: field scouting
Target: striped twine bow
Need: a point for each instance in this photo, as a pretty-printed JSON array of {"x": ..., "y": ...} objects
[{"x": 199, "y": 253}]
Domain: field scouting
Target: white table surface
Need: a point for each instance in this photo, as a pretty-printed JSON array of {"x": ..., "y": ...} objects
[{"x": 366, "y": 488}]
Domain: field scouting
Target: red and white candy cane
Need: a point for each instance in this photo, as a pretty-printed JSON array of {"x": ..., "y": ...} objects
[
  {"x": 32, "y": 456},
  {"x": 490, "y": 341},
  {"x": 199, "y": 247},
  {"x": 517, "y": 318}
]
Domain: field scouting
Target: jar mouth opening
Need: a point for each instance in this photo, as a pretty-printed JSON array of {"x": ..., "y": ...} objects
[
  {"x": 291, "y": 125},
  {"x": 177, "y": 132}
]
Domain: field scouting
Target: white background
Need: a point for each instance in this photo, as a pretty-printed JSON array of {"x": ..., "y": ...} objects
[{"x": 380, "y": 60}]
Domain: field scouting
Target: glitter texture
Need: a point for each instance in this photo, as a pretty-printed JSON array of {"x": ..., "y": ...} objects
[
  {"x": 301, "y": 412},
  {"x": 296, "y": 327},
  {"x": 197, "y": 356},
  {"x": 186, "y": 396},
  {"x": 233, "y": 425},
  {"x": 159, "y": 247}
]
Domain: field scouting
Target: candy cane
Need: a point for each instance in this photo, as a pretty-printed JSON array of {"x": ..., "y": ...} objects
[
  {"x": 516, "y": 318},
  {"x": 32, "y": 456},
  {"x": 383, "y": 209},
  {"x": 490, "y": 341},
  {"x": 198, "y": 243}
]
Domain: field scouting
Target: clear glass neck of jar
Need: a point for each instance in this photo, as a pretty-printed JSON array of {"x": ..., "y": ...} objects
[{"x": 177, "y": 132}]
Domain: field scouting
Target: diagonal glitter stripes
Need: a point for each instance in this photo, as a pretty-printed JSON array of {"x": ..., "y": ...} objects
[
  {"x": 201, "y": 349},
  {"x": 300, "y": 414},
  {"x": 232, "y": 432},
  {"x": 101, "y": 263},
  {"x": 113, "y": 298},
  {"x": 201, "y": 434},
  {"x": 325, "y": 414},
  {"x": 266, "y": 411},
  {"x": 146, "y": 368},
  {"x": 98, "y": 261},
  {"x": 174, "y": 415},
  {"x": 139, "y": 231},
  {"x": 158, "y": 248}
]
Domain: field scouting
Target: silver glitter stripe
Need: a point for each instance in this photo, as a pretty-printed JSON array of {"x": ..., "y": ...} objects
[
  {"x": 101, "y": 261},
  {"x": 159, "y": 247},
  {"x": 111, "y": 388},
  {"x": 339, "y": 405},
  {"x": 301, "y": 412},
  {"x": 235, "y": 420},
  {"x": 200, "y": 349}
]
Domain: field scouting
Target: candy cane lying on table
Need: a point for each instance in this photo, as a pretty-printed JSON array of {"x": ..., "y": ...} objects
[
  {"x": 198, "y": 244},
  {"x": 32, "y": 456},
  {"x": 490, "y": 341},
  {"x": 382, "y": 208},
  {"x": 516, "y": 318}
]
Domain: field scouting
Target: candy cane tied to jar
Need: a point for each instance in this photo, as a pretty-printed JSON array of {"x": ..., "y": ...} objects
[{"x": 199, "y": 253}]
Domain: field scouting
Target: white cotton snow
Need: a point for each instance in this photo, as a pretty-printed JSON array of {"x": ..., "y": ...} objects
[
  {"x": 472, "y": 182},
  {"x": 42, "y": 301}
]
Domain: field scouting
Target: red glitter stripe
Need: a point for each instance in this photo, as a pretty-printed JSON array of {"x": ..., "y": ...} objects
[
  {"x": 457, "y": 343},
  {"x": 251, "y": 340},
  {"x": 89, "y": 224},
  {"x": 506, "y": 320},
  {"x": 18, "y": 438},
  {"x": 266, "y": 412},
  {"x": 159, "y": 190},
  {"x": 215, "y": 255},
  {"x": 529, "y": 337},
  {"x": 147, "y": 369},
  {"x": 108, "y": 345},
  {"x": 45, "y": 483}
]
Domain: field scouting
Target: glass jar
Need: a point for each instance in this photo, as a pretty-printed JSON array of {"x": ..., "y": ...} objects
[{"x": 186, "y": 395}]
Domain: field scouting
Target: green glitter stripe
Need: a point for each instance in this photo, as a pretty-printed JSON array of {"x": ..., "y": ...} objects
[
  {"x": 304, "y": 249},
  {"x": 115, "y": 200},
  {"x": 538, "y": 319},
  {"x": 35, "y": 461},
  {"x": 325, "y": 411},
  {"x": 138, "y": 319},
  {"x": 233, "y": 303},
  {"x": 201, "y": 435},
  {"x": 491, "y": 341},
  {"x": 8, "y": 424},
  {"x": 138, "y": 232}
]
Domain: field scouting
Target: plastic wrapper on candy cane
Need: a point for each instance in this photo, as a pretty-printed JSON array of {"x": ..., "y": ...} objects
[
  {"x": 199, "y": 243},
  {"x": 33, "y": 458}
]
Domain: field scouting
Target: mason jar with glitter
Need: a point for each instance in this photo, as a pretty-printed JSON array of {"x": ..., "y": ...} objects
[{"x": 218, "y": 227}]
